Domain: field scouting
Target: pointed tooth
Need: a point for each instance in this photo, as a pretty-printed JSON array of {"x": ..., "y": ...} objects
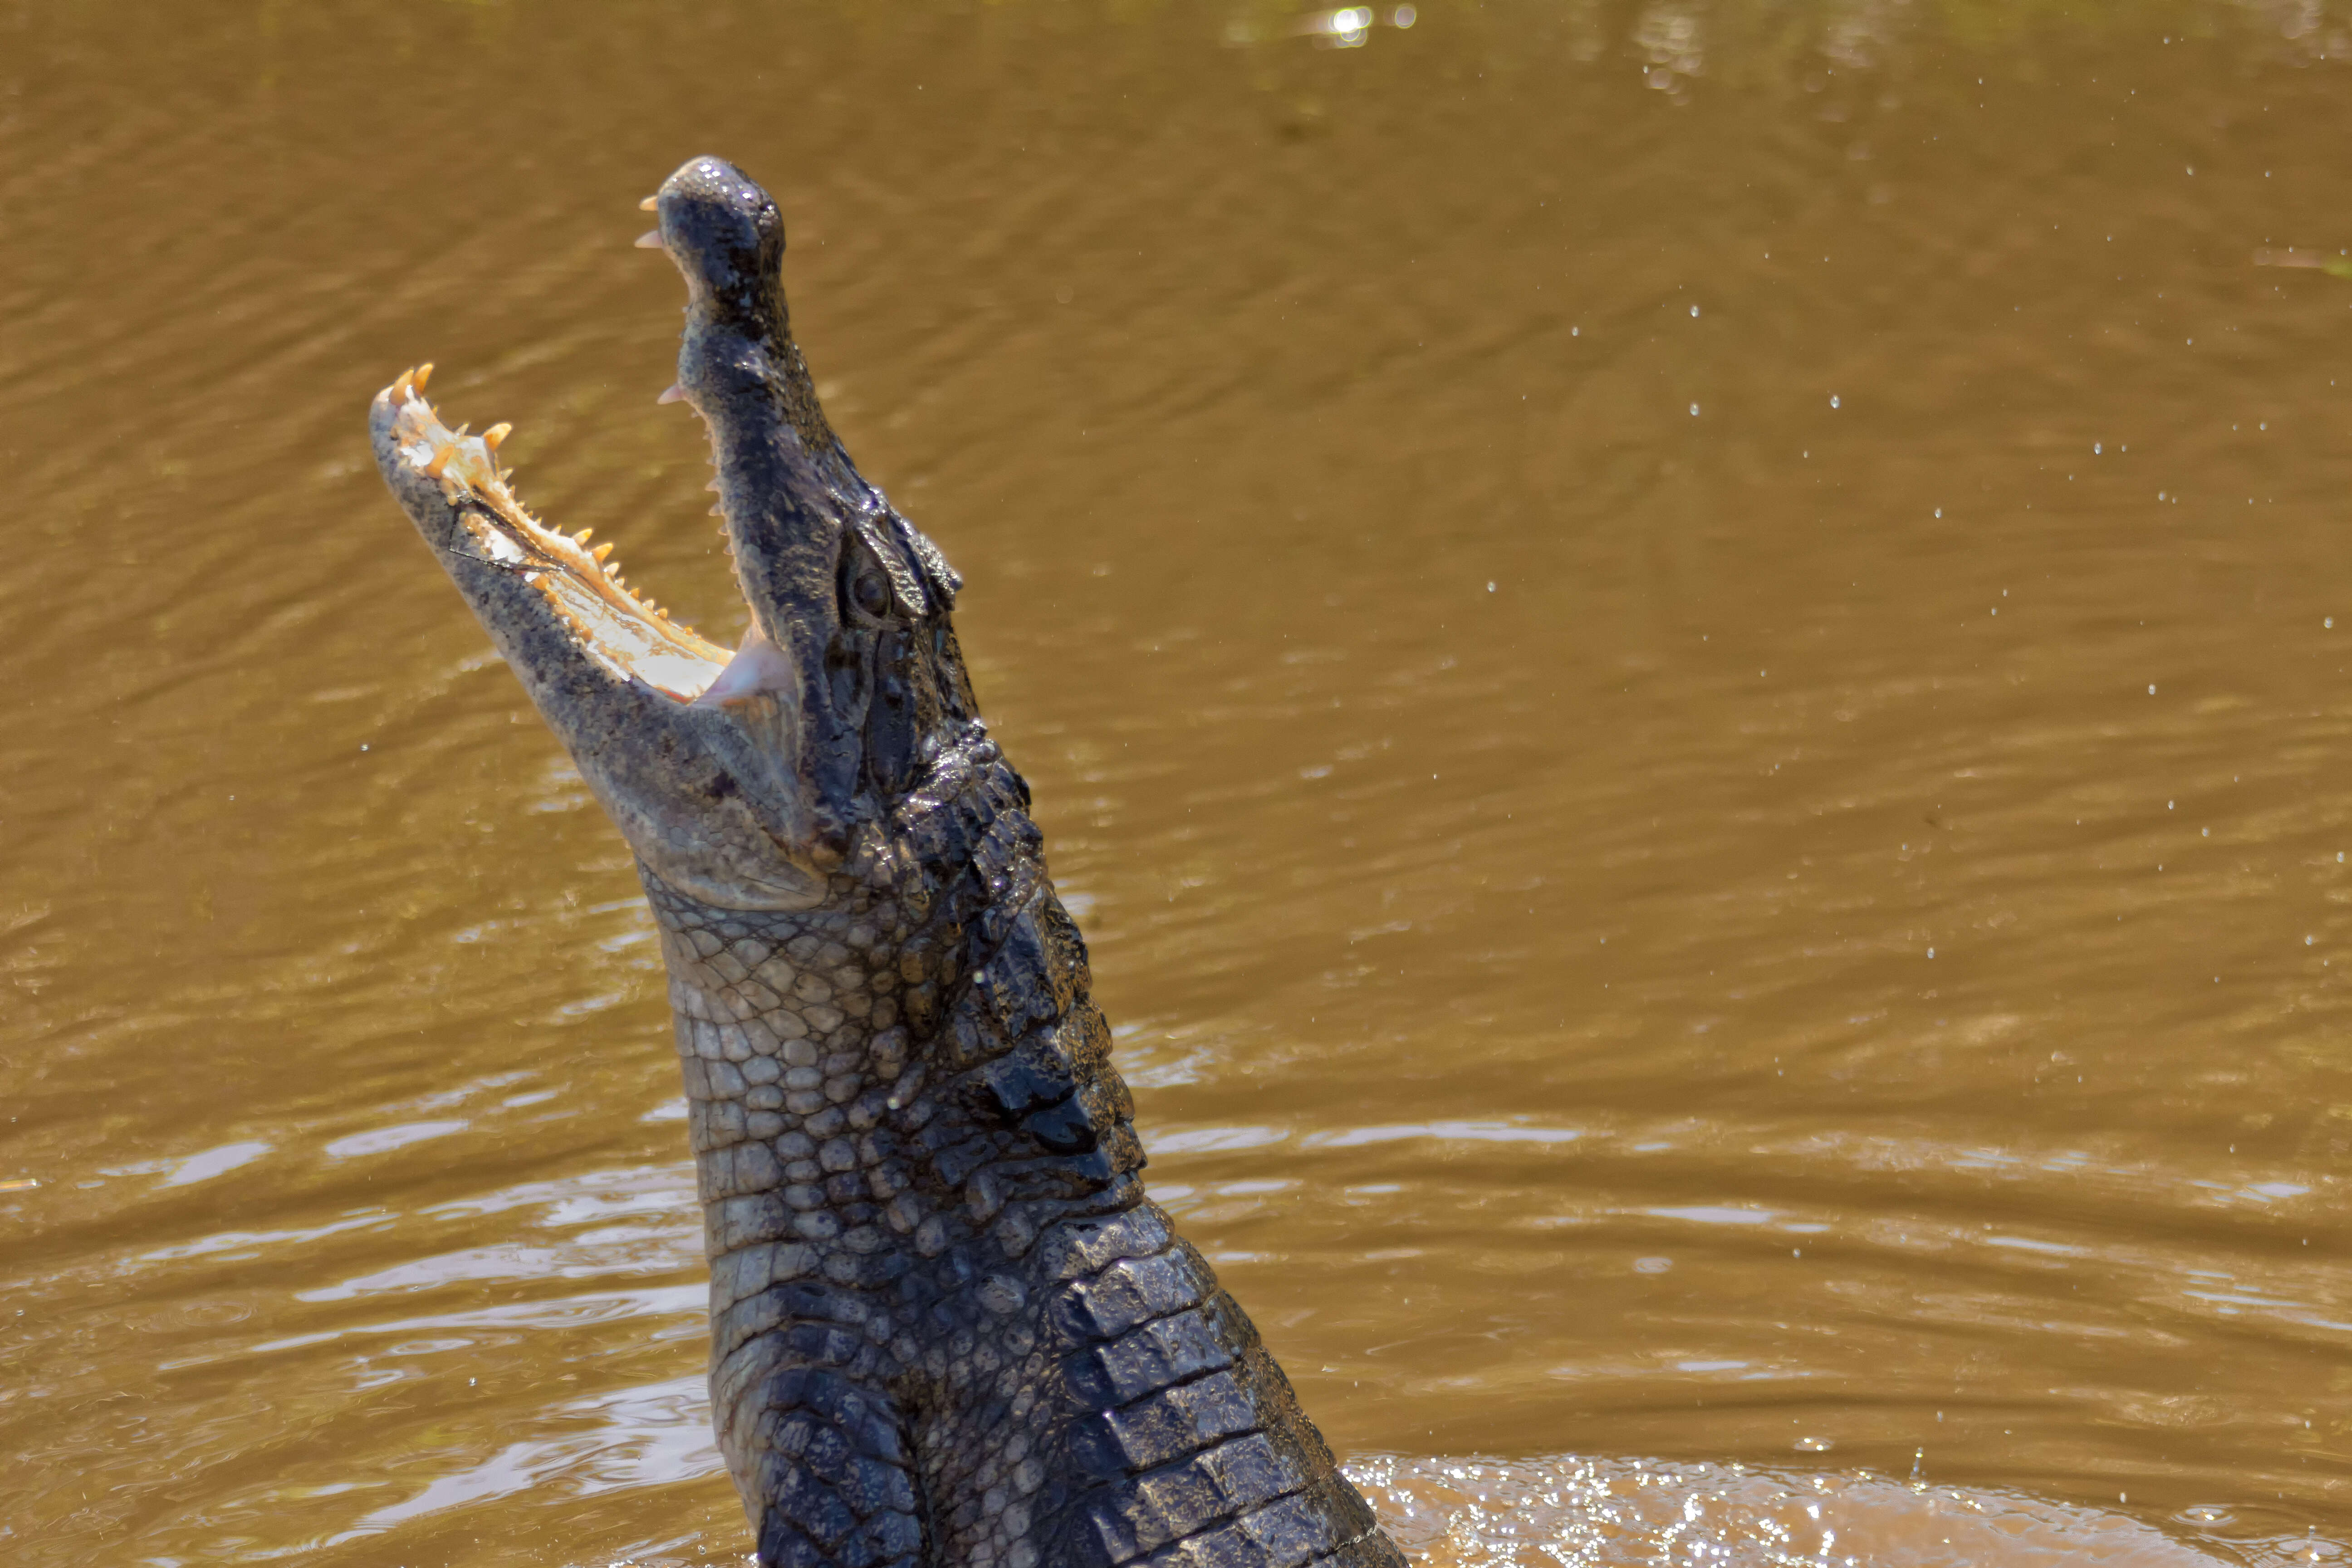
[
  {"x": 650, "y": 240},
  {"x": 440, "y": 460},
  {"x": 424, "y": 374},
  {"x": 718, "y": 512},
  {"x": 602, "y": 551},
  {"x": 403, "y": 387},
  {"x": 496, "y": 434},
  {"x": 675, "y": 394},
  {"x": 711, "y": 486},
  {"x": 583, "y": 536},
  {"x": 651, "y": 204}
]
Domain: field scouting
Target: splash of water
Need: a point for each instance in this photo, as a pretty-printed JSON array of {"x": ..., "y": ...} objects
[{"x": 1573, "y": 1512}]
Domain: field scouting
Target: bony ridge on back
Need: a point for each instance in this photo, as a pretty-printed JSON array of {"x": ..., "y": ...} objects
[{"x": 947, "y": 1326}]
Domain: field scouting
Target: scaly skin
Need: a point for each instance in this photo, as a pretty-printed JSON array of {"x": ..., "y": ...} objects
[{"x": 947, "y": 1326}]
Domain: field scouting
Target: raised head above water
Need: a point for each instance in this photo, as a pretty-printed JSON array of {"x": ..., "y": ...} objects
[
  {"x": 947, "y": 1325},
  {"x": 741, "y": 781}
]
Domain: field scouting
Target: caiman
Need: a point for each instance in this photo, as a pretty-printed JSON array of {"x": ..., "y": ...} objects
[{"x": 947, "y": 1325}]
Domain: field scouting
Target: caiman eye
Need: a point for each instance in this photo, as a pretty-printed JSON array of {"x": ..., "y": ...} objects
[{"x": 871, "y": 593}]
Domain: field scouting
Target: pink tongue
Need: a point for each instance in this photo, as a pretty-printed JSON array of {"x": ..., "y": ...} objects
[{"x": 758, "y": 666}]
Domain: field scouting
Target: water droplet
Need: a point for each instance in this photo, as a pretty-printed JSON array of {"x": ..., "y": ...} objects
[{"x": 1815, "y": 1444}]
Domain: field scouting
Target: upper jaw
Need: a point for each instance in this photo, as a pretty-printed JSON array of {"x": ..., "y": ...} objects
[{"x": 786, "y": 489}]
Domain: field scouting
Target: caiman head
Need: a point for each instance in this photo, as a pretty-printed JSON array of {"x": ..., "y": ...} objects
[{"x": 743, "y": 781}]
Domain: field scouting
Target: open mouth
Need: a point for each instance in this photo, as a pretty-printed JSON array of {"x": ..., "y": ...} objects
[{"x": 629, "y": 636}]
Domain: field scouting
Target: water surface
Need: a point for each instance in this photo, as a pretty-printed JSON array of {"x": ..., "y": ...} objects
[{"x": 1682, "y": 659}]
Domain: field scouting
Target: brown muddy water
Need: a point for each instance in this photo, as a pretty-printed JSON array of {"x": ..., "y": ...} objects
[{"x": 1683, "y": 659}]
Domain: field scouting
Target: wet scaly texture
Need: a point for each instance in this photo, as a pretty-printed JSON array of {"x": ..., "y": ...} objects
[
  {"x": 1070, "y": 1384},
  {"x": 945, "y": 1325},
  {"x": 1234, "y": 366}
]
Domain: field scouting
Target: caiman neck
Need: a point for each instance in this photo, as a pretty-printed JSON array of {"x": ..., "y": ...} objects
[
  {"x": 801, "y": 1007},
  {"x": 832, "y": 1140}
]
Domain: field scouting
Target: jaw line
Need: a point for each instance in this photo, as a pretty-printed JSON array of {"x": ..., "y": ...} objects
[{"x": 632, "y": 639}]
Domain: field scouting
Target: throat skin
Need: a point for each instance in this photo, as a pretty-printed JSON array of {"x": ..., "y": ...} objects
[
  {"x": 894, "y": 1191},
  {"x": 944, "y": 1316},
  {"x": 947, "y": 1326}
]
